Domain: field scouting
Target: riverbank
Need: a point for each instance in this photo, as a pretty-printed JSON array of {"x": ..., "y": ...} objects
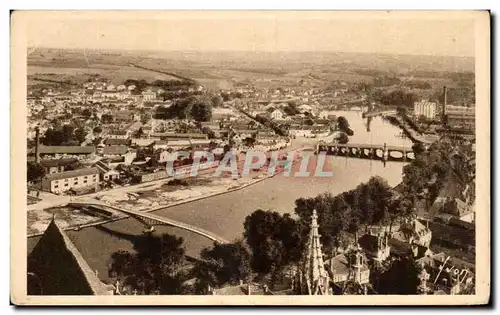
[
  {"x": 409, "y": 131},
  {"x": 147, "y": 197}
]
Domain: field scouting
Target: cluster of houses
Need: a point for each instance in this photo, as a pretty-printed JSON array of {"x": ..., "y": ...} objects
[
  {"x": 119, "y": 156},
  {"x": 123, "y": 137}
]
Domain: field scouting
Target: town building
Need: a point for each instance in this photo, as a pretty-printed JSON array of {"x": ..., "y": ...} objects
[
  {"x": 125, "y": 116},
  {"x": 459, "y": 208},
  {"x": 277, "y": 115},
  {"x": 462, "y": 117},
  {"x": 459, "y": 110},
  {"x": 117, "y": 141},
  {"x": 376, "y": 247},
  {"x": 160, "y": 144},
  {"x": 114, "y": 150},
  {"x": 83, "y": 178},
  {"x": 178, "y": 136},
  {"x": 414, "y": 232},
  {"x": 61, "y": 151},
  {"x": 148, "y": 96},
  {"x": 57, "y": 165},
  {"x": 106, "y": 172},
  {"x": 349, "y": 269},
  {"x": 465, "y": 122},
  {"x": 425, "y": 108},
  {"x": 447, "y": 275},
  {"x": 118, "y": 134}
]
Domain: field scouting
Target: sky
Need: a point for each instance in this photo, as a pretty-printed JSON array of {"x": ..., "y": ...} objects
[{"x": 439, "y": 33}]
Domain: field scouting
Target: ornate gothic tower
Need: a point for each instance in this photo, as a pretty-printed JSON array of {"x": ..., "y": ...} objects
[
  {"x": 423, "y": 277},
  {"x": 312, "y": 276},
  {"x": 358, "y": 264}
]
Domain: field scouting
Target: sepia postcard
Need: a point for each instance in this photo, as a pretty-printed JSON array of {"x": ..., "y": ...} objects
[{"x": 250, "y": 158}]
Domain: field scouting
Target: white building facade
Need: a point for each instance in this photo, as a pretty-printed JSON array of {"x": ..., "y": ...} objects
[{"x": 425, "y": 108}]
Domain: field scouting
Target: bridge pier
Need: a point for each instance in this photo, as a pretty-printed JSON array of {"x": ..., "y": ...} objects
[
  {"x": 148, "y": 229},
  {"x": 367, "y": 151}
]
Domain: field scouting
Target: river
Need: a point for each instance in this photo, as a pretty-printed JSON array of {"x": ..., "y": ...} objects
[{"x": 225, "y": 214}]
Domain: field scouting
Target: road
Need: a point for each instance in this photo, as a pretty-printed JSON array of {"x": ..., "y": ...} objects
[{"x": 52, "y": 200}]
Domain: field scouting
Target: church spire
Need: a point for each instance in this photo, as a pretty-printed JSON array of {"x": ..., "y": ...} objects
[{"x": 313, "y": 278}]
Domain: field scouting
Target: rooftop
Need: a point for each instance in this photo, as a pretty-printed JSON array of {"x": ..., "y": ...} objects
[
  {"x": 71, "y": 174},
  {"x": 117, "y": 142},
  {"x": 60, "y": 267},
  {"x": 63, "y": 149},
  {"x": 179, "y": 135},
  {"x": 340, "y": 264},
  {"x": 58, "y": 162},
  {"x": 118, "y": 132},
  {"x": 115, "y": 150}
]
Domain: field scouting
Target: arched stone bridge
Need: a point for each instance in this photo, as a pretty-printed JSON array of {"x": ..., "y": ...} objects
[
  {"x": 150, "y": 220},
  {"x": 379, "y": 113},
  {"x": 367, "y": 151}
]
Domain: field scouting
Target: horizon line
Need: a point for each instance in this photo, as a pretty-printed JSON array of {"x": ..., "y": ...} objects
[{"x": 249, "y": 51}]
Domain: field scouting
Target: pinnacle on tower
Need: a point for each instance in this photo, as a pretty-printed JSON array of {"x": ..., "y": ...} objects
[
  {"x": 313, "y": 278},
  {"x": 423, "y": 276}
]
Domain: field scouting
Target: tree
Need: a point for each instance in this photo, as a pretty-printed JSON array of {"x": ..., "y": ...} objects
[
  {"x": 212, "y": 145},
  {"x": 53, "y": 137},
  {"x": 65, "y": 135},
  {"x": 414, "y": 84},
  {"x": 216, "y": 100},
  {"x": 154, "y": 267},
  {"x": 418, "y": 148},
  {"x": 86, "y": 113},
  {"x": 401, "y": 110},
  {"x": 138, "y": 133},
  {"x": 34, "y": 171},
  {"x": 223, "y": 264},
  {"x": 80, "y": 135},
  {"x": 350, "y": 211},
  {"x": 249, "y": 142},
  {"x": 202, "y": 110},
  {"x": 461, "y": 95},
  {"x": 96, "y": 141},
  {"x": 400, "y": 278},
  {"x": 262, "y": 119},
  {"x": 309, "y": 122},
  {"x": 275, "y": 240},
  {"x": 386, "y": 81},
  {"x": 209, "y": 132},
  {"x": 291, "y": 109},
  {"x": 97, "y": 129},
  {"x": 106, "y": 119}
]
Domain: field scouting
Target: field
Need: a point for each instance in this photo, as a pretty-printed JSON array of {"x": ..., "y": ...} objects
[
  {"x": 115, "y": 74},
  {"x": 224, "y": 70}
]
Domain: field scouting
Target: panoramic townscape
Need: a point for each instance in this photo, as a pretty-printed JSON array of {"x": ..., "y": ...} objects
[{"x": 259, "y": 173}]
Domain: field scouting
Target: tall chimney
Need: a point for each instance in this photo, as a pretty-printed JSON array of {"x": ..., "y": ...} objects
[
  {"x": 445, "y": 101},
  {"x": 37, "y": 144}
]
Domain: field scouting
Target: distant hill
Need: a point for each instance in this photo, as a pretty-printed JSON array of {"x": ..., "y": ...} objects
[
  {"x": 266, "y": 62},
  {"x": 395, "y": 63}
]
